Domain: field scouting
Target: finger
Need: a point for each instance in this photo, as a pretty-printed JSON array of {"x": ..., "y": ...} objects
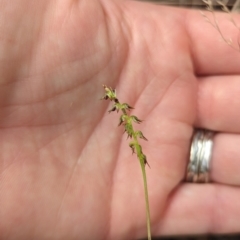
[
  {"x": 219, "y": 103},
  {"x": 200, "y": 209},
  {"x": 225, "y": 165},
  {"x": 211, "y": 55}
]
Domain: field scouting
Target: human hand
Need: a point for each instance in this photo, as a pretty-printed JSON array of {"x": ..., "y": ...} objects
[{"x": 66, "y": 172}]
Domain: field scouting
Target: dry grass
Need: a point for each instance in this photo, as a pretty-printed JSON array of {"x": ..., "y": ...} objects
[{"x": 234, "y": 5}]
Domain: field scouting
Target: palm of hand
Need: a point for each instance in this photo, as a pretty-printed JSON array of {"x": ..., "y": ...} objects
[{"x": 66, "y": 170}]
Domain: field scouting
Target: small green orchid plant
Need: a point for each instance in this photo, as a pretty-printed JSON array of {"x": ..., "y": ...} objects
[{"x": 127, "y": 121}]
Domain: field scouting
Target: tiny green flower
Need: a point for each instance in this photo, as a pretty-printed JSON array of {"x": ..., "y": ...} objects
[
  {"x": 123, "y": 118},
  {"x": 129, "y": 129},
  {"x": 126, "y": 107},
  {"x": 135, "y": 119},
  {"x": 132, "y": 146},
  {"x": 144, "y": 159},
  {"x": 140, "y": 135},
  {"x": 109, "y": 93}
]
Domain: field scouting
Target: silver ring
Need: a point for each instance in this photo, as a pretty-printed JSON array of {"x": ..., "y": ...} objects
[{"x": 200, "y": 157}]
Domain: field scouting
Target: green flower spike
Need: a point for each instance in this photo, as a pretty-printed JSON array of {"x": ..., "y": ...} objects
[{"x": 126, "y": 120}]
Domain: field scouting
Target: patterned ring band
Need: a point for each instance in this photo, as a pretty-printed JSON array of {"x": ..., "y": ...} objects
[{"x": 200, "y": 157}]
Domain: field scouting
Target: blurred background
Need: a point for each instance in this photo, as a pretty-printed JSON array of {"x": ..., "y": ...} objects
[{"x": 233, "y": 6}]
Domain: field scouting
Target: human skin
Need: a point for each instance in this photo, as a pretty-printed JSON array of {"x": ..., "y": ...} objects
[{"x": 66, "y": 171}]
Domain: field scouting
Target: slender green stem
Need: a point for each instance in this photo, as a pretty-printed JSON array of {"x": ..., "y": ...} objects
[
  {"x": 142, "y": 163},
  {"x": 146, "y": 201}
]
